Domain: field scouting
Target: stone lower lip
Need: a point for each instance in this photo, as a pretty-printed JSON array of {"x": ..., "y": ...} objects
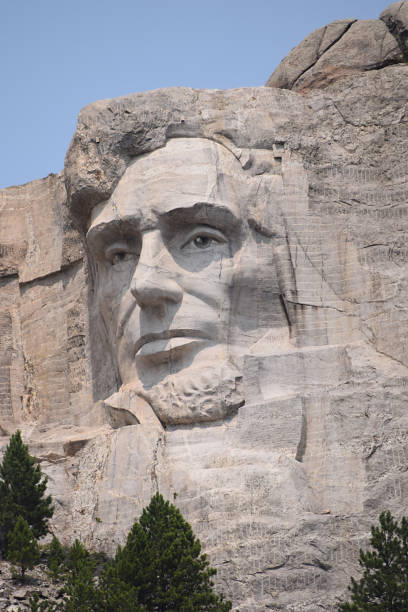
[{"x": 165, "y": 345}]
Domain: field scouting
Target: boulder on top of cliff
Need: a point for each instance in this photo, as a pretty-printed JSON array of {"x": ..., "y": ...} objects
[
  {"x": 343, "y": 48},
  {"x": 395, "y": 18}
]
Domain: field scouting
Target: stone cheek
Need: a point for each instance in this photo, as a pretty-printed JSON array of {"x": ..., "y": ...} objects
[{"x": 235, "y": 334}]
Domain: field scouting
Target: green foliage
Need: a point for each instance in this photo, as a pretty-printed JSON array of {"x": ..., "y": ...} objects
[
  {"x": 161, "y": 567},
  {"x": 56, "y": 558},
  {"x": 117, "y": 595},
  {"x": 22, "y": 489},
  {"x": 81, "y": 594},
  {"x": 23, "y": 548},
  {"x": 77, "y": 557},
  {"x": 384, "y": 584},
  {"x": 43, "y": 606}
]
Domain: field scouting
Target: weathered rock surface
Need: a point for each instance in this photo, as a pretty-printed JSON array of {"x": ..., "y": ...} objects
[
  {"x": 42, "y": 305},
  {"x": 395, "y": 18},
  {"x": 270, "y": 227},
  {"x": 15, "y": 595},
  {"x": 343, "y": 48},
  {"x": 303, "y": 57}
]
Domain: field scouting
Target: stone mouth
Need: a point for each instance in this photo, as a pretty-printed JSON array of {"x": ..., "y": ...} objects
[{"x": 158, "y": 341}]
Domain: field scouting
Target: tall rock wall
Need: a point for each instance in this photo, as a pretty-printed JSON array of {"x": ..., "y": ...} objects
[
  {"x": 211, "y": 301},
  {"x": 43, "y": 306}
]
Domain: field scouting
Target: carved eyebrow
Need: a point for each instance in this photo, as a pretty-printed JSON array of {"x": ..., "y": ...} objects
[
  {"x": 115, "y": 229},
  {"x": 219, "y": 215}
]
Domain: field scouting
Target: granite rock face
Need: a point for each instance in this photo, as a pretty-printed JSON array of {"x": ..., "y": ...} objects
[
  {"x": 211, "y": 301},
  {"x": 343, "y": 48},
  {"x": 395, "y": 18}
]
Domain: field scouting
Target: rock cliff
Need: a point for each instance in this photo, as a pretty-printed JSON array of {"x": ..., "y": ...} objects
[{"x": 211, "y": 300}]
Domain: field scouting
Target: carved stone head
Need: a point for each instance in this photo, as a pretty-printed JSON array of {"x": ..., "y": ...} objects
[
  {"x": 196, "y": 209},
  {"x": 177, "y": 278}
]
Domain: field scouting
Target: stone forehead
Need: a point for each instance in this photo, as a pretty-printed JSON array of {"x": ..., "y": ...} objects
[
  {"x": 184, "y": 172},
  {"x": 184, "y": 167},
  {"x": 192, "y": 151},
  {"x": 198, "y": 161},
  {"x": 111, "y": 134}
]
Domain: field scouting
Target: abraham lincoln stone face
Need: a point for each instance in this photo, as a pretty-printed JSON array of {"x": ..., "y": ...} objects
[{"x": 170, "y": 250}]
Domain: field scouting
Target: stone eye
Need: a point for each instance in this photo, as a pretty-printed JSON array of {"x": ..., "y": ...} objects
[
  {"x": 203, "y": 238},
  {"x": 202, "y": 242},
  {"x": 120, "y": 256}
]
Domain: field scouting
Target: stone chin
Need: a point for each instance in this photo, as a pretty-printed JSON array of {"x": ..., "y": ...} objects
[{"x": 206, "y": 394}]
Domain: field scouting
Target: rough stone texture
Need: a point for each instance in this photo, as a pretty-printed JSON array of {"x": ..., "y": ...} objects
[
  {"x": 337, "y": 50},
  {"x": 15, "y": 595},
  {"x": 396, "y": 19},
  {"x": 309, "y": 290},
  {"x": 303, "y": 57},
  {"x": 44, "y": 371}
]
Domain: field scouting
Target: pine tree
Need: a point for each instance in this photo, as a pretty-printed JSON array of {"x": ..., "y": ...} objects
[
  {"x": 43, "y": 606},
  {"x": 117, "y": 595},
  {"x": 384, "y": 584},
  {"x": 81, "y": 593},
  {"x": 23, "y": 547},
  {"x": 161, "y": 567},
  {"x": 22, "y": 491},
  {"x": 56, "y": 558}
]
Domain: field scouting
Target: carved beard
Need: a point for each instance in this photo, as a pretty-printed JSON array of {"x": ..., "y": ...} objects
[{"x": 207, "y": 394}]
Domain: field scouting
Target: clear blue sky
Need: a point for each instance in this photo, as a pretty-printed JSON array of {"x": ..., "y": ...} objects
[{"x": 56, "y": 56}]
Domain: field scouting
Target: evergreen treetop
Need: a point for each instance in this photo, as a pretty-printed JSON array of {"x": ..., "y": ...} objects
[
  {"x": 56, "y": 558},
  {"x": 23, "y": 547},
  {"x": 384, "y": 584},
  {"x": 81, "y": 594},
  {"x": 162, "y": 566},
  {"x": 160, "y": 569},
  {"x": 22, "y": 490}
]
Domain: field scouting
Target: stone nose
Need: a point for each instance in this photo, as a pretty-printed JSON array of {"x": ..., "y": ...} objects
[{"x": 154, "y": 282}]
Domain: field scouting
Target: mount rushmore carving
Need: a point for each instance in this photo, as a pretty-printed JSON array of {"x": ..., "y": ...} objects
[{"x": 211, "y": 301}]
